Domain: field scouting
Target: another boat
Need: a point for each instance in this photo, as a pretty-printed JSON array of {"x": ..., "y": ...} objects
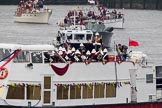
[
  {"x": 101, "y": 16},
  {"x": 113, "y": 19},
  {"x": 31, "y": 13},
  {"x": 79, "y": 70}
]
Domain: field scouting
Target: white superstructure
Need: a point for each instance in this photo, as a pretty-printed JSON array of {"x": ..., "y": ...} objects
[{"x": 115, "y": 23}]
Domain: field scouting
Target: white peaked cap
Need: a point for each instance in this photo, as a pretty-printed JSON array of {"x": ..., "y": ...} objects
[
  {"x": 63, "y": 49},
  {"x": 60, "y": 48},
  {"x": 69, "y": 51},
  {"x": 93, "y": 51},
  {"x": 88, "y": 52},
  {"x": 144, "y": 56},
  {"x": 60, "y": 52},
  {"x": 81, "y": 44},
  {"x": 77, "y": 52},
  {"x": 97, "y": 33},
  {"x": 73, "y": 49},
  {"x": 105, "y": 50},
  {"x": 56, "y": 49}
]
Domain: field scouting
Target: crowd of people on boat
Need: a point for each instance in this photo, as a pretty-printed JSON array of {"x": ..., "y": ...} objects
[
  {"x": 77, "y": 55},
  {"x": 69, "y": 19},
  {"x": 80, "y": 16},
  {"x": 30, "y": 6},
  {"x": 81, "y": 54},
  {"x": 106, "y": 14}
]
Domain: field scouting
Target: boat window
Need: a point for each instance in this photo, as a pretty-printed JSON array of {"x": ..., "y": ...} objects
[
  {"x": 47, "y": 57},
  {"x": 23, "y": 56},
  {"x": 110, "y": 90},
  {"x": 69, "y": 36},
  {"x": 36, "y": 57},
  {"x": 88, "y": 91},
  {"x": 4, "y": 53},
  {"x": 15, "y": 92},
  {"x": 47, "y": 82},
  {"x": 33, "y": 92},
  {"x": 89, "y": 36},
  {"x": 79, "y": 37},
  {"x": 159, "y": 77},
  {"x": 75, "y": 92},
  {"x": 99, "y": 90},
  {"x": 62, "y": 92},
  {"x": 149, "y": 78}
]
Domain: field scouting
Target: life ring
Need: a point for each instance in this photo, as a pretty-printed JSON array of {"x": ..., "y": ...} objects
[{"x": 3, "y": 73}]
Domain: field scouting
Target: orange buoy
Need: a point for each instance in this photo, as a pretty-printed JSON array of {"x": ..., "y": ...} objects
[{"x": 3, "y": 73}]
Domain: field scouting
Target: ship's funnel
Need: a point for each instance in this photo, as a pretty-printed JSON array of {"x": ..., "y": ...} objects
[{"x": 106, "y": 38}]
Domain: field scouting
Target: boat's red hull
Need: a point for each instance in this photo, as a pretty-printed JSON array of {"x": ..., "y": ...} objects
[
  {"x": 128, "y": 105},
  {"x": 131, "y": 105}
]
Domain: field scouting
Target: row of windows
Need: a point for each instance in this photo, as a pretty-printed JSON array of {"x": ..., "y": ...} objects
[
  {"x": 18, "y": 92},
  {"x": 23, "y": 56},
  {"x": 86, "y": 91},
  {"x": 79, "y": 37},
  {"x": 33, "y": 92},
  {"x": 30, "y": 15}
]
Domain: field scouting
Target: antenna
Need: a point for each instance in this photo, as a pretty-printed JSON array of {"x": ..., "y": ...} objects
[{"x": 74, "y": 19}]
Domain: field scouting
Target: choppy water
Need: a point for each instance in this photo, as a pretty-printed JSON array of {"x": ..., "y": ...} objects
[{"x": 145, "y": 26}]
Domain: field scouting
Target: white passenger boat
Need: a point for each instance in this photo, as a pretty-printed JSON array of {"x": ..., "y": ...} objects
[
  {"x": 101, "y": 16},
  {"x": 35, "y": 17},
  {"x": 32, "y": 12},
  {"x": 67, "y": 75}
]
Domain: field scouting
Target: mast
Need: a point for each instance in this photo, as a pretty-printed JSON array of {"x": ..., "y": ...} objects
[{"x": 74, "y": 18}]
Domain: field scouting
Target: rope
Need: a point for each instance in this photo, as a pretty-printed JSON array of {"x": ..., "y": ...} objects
[
  {"x": 16, "y": 53},
  {"x": 8, "y": 56}
]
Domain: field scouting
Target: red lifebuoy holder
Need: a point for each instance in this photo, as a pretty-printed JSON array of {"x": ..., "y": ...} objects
[{"x": 3, "y": 73}]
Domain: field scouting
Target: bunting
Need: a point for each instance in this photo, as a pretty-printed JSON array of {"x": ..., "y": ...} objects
[
  {"x": 20, "y": 85},
  {"x": 58, "y": 70},
  {"x": 89, "y": 85}
]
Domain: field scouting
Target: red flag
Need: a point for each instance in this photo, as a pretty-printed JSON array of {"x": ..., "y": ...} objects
[{"x": 133, "y": 43}]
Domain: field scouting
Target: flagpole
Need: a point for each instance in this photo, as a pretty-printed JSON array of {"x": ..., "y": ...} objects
[
  {"x": 60, "y": 57},
  {"x": 128, "y": 45},
  {"x": 116, "y": 76}
]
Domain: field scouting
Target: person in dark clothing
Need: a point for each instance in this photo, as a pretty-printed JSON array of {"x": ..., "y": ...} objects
[
  {"x": 47, "y": 57},
  {"x": 40, "y": 3},
  {"x": 65, "y": 20},
  {"x": 21, "y": 3},
  {"x": 119, "y": 15}
]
